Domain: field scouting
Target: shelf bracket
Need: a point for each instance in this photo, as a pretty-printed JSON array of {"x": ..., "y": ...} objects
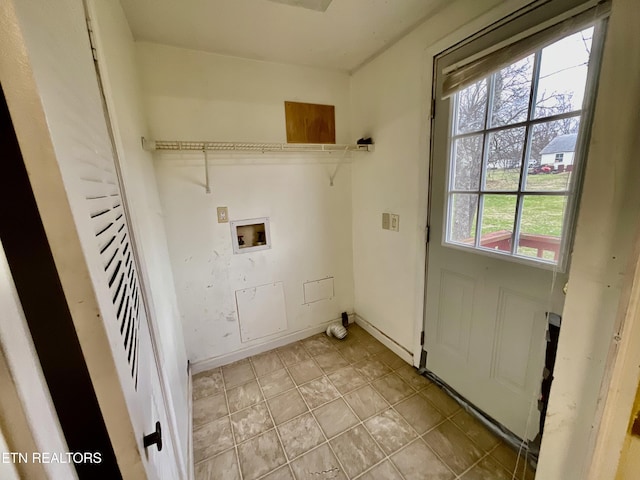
[
  {"x": 207, "y": 187},
  {"x": 333, "y": 175}
]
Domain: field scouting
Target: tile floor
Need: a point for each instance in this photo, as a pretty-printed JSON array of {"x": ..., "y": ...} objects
[{"x": 323, "y": 408}]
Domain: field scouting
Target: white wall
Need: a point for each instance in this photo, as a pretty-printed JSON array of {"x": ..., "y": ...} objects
[
  {"x": 390, "y": 101},
  {"x": 603, "y": 260},
  {"x": 116, "y": 53},
  {"x": 199, "y": 96}
]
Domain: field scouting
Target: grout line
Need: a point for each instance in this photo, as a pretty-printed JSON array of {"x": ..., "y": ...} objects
[
  {"x": 326, "y": 439},
  {"x": 275, "y": 427},
  {"x": 361, "y": 343},
  {"x": 233, "y": 433}
]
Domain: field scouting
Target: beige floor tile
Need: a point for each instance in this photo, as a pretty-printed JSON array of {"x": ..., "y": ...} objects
[
  {"x": 244, "y": 396},
  {"x": 393, "y": 388},
  {"x": 284, "y": 375},
  {"x": 382, "y": 471},
  {"x": 366, "y": 402},
  {"x": 305, "y": 371},
  {"x": 373, "y": 346},
  {"x": 410, "y": 375},
  {"x": 318, "y": 344},
  {"x": 509, "y": 459},
  {"x": 354, "y": 353},
  {"x": 260, "y": 455},
  {"x": 346, "y": 379},
  {"x": 292, "y": 354},
  {"x": 356, "y": 450},
  {"x": 319, "y": 463},
  {"x": 390, "y": 430},
  {"x": 453, "y": 447},
  {"x": 207, "y": 383},
  {"x": 331, "y": 361},
  {"x": 487, "y": 469},
  {"x": 370, "y": 368},
  {"x": 392, "y": 360},
  {"x": 300, "y": 435},
  {"x": 237, "y": 374},
  {"x": 276, "y": 383},
  {"x": 416, "y": 461},
  {"x": 250, "y": 422},
  {"x": 221, "y": 467},
  {"x": 335, "y": 417},
  {"x": 212, "y": 438},
  {"x": 419, "y": 413},
  {"x": 209, "y": 408},
  {"x": 283, "y": 473},
  {"x": 318, "y": 392},
  {"x": 266, "y": 363},
  {"x": 286, "y": 406},
  {"x": 475, "y": 430},
  {"x": 440, "y": 399}
]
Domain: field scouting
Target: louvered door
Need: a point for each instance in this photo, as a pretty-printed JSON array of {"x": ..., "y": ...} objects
[{"x": 113, "y": 242}]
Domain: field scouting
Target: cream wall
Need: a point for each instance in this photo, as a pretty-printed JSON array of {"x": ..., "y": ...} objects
[
  {"x": 390, "y": 101},
  {"x": 192, "y": 95}
]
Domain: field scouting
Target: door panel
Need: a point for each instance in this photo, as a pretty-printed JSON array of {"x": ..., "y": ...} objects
[{"x": 499, "y": 222}]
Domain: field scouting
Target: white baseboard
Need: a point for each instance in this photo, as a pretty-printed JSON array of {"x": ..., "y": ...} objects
[
  {"x": 388, "y": 342},
  {"x": 227, "y": 358}
]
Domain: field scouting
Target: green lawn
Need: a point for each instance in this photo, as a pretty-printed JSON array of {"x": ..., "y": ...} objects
[{"x": 540, "y": 215}]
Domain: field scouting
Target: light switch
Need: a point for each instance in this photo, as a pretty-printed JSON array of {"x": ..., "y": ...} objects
[
  {"x": 394, "y": 224},
  {"x": 223, "y": 215}
]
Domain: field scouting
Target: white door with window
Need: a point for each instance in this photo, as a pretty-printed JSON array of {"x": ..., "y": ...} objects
[{"x": 500, "y": 217}]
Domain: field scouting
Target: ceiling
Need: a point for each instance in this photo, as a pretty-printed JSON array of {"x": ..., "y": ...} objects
[{"x": 343, "y": 37}]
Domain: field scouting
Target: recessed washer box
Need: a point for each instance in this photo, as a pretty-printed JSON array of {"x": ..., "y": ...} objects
[{"x": 250, "y": 235}]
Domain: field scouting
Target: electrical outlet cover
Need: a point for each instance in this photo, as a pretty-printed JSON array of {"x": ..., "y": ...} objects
[
  {"x": 223, "y": 215},
  {"x": 385, "y": 221}
]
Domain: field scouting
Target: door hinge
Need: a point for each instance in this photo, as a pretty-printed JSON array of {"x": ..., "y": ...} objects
[
  {"x": 92, "y": 41},
  {"x": 428, "y": 233},
  {"x": 422, "y": 338},
  {"x": 433, "y": 108}
]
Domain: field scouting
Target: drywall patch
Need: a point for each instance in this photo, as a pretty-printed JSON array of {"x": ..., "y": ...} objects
[
  {"x": 317, "y": 290},
  {"x": 261, "y": 311}
]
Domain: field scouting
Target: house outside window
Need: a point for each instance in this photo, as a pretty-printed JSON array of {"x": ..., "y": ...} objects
[{"x": 559, "y": 157}]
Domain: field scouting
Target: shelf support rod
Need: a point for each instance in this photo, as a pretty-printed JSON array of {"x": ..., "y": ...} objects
[
  {"x": 207, "y": 187},
  {"x": 333, "y": 176}
]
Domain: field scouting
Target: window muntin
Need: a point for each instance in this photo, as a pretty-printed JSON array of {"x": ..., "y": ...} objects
[{"x": 506, "y": 194}]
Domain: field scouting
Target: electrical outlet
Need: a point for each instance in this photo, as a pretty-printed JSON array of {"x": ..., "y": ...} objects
[
  {"x": 385, "y": 221},
  {"x": 394, "y": 224},
  {"x": 223, "y": 215}
]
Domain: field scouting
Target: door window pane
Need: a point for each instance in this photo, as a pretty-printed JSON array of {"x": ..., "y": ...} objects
[
  {"x": 504, "y": 159},
  {"x": 541, "y": 226},
  {"x": 462, "y": 225},
  {"x": 471, "y": 108},
  {"x": 498, "y": 214},
  {"x": 489, "y": 183},
  {"x": 467, "y": 163},
  {"x": 552, "y": 154},
  {"x": 563, "y": 75},
  {"x": 511, "y": 93}
]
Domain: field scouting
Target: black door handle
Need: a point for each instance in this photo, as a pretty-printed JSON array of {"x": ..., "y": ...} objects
[{"x": 155, "y": 437}]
